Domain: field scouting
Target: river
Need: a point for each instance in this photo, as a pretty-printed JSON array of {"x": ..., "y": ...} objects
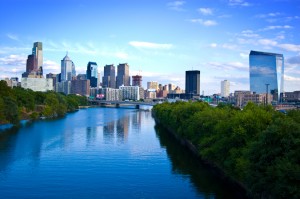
[{"x": 102, "y": 153}]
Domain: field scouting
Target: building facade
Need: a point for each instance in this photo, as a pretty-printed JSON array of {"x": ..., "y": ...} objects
[
  {"x": 80, "y": 87},
  {"x": 152, "y": 85},
  {"x": 137, "y": 80},
  {"x": 109, "y": 77},
  {"x": 130, "y": 92},
  {"x": 123, "y": 77},
  {"x": 67, "y": 69},
  {"x": 37, "y": 84},
  {"x": 92, "y": 74},
  {"x": 267, "y": 73},
  {"x": 225, "y": 88},
  {"x": 192, "y": 82}
]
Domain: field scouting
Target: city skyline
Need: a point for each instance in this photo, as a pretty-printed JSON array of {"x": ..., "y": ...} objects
[{"x": 162, "y": 39}]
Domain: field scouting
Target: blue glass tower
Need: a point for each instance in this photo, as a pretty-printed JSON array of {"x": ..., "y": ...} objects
[
  {"x": 92, "y": 73},
  {"x": 267, "y": 73}
]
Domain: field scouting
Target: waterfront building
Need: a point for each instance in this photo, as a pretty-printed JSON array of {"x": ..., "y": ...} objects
[
  {"x": 137, "y": 80},
  {"x": 225, "y": 88},
  {"x": 81, "y": 87},
  {"x": 109, "y": 94},
  {"x": 67, "y": 69},
  {"x": 130, "y": 92},
  {"x": 267, "y": 73},
  {"x": 192, "y": 82},
  {"x": 54, "y": 77},
  {"x": 109, "y": 78},
  {"x": 92, "y": 74},
  {"x": 152, "y": 85},
  {"x": 123, "y": 77},
  {"x": 37, "y": 84},
  {"x": 151, "y": 94}
]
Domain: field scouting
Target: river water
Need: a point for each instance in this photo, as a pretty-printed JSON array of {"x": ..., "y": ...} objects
[{"x": 101, "y": 153}]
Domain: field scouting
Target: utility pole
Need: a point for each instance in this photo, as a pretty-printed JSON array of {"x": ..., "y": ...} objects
[{"x": 267, "y": 89}]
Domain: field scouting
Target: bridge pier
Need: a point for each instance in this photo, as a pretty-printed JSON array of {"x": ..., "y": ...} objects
[
  {"x": 137, "y": 106},
  {"x": 117, "y": 105}
]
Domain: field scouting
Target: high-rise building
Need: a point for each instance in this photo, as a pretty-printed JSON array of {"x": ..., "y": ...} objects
[
  {"x": 152, "y": 85},
  {"x": 137, "y": 80},
  {"x": 109, "y": 78},
  {"x": 37, "y": 51},
  {"x": 267, "y": 73},
  {"x": 81, "y": 87},
  {"x": 192, "y": 82},
  {"x": 225, "y": 88},
  {"x": 123, "y": 77},
  {"x": 67, "y": 69},
  {"x": 92, "y": 74},
  {"x": 171, "y": 87}
]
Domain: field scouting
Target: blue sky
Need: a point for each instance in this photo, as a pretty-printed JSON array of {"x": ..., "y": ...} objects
[{"x": 160, "y": 39}]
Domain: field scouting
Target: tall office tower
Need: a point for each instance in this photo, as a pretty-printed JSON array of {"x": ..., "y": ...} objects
[
  {"x": 225, "y": 88},
  {"x": 267, "y": 73},
  {"x": 192, "y": 82},
  {"x": 109, "y": 78},
  {"x": 67, "y": 69},
  {"x": 37, "y": 51},
  {"x": 137, "y": 80},
  {"x": 92, "y": 74},
  {"x": 152, "y": 85},
  {"x": 123, "y": 77},
  {"x": 30, "y": 63}
]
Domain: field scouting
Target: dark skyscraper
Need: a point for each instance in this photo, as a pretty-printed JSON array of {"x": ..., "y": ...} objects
[
  {"x": 192, "y": 82},
  {"x": 92, "y": 73},
  {"x": 137, "y": 80},
  {"x": 34, "y": 64},
  {"x": 123, "y": 77},
  {"x": 109, "y": 78},
  {"x": 266, "y": 69}
]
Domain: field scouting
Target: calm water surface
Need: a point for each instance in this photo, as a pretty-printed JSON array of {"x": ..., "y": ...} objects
[{"x": 101, "y": 153}]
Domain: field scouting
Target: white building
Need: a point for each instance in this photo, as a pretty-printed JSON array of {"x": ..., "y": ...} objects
[
  {"x": 225, "y": 88},
  {"x": 130, "y": 92},
  {"x": 109, "y": 94},
  {"x": 63, "y": 87},
  {"x": 37, "y": 84}
]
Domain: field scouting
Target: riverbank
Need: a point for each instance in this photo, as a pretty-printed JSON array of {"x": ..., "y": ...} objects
[
  {"x": 257, "y": 147},
  {"x": 236, "y": 185}
]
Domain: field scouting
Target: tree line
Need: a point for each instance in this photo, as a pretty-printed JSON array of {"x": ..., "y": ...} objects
[
  {"x": 18, "y": 103},
  {"x": 257, "y": 146}
]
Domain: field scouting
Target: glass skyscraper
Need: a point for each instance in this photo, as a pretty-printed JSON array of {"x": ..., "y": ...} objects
[
  {"x": 192, "y": 82},
  {"x": 267, "y": 73},
  {"x": 92, "y": 73},
  {"x": 67, "y": 69}
]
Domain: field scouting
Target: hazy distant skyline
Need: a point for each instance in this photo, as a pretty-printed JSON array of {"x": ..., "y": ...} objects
[{"x": 160, "y": 38}]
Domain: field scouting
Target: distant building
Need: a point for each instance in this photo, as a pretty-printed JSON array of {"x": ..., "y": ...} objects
[
  {"x": 292, "y": 96},
  {"x": 92, "y": 74},
  {"x": 137, "y": 80},
  {"x": 109, "y": 77},
  {"x": 123, "y": 77},
  {"x": 192, "y": 82},
  {"x": 81, "y": 76},
  {"x": 54, "y": 77},
  {"x": 67, "y": 69},
  {"x": 109, "y": 94},
  {"x": 267, "y": 73},
  {"x": 152, "y": 85},
  {"x": 171, "y": 87},
  {"x": 34, "y": 63},
  {"x": 151, "y": 94},
  {"x": 63, "y": 87},
  {"x": 81, "y": 87},
  {"x": 225, "y": 88},
  {"x": 37, "y": 84},
  {"x": 130, "y": 92}
]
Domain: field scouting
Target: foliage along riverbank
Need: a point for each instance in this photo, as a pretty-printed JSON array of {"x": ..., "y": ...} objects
[
  {"x": 257, "y": 146},
  {"x": 17, "y": 104}
]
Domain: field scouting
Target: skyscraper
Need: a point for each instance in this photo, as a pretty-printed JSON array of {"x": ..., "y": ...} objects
[
  {"x": 92, "y": 73},
  {"x": 67, "y": 69},
  {"x": 37, "y": 51},
  {"x": 267, "y": 73},
  {"x": 123, "y": 77},
  {"x": 109, "y": 78},
  {"x": 225, "y": 88},
  {"x": 192, "y": 82},
  {"x": 137, "y": 80},
  {"x": 34, "y": 64}
]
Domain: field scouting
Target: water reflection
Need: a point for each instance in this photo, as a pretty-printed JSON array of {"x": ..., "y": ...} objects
[{"x": 184, "y": 163}]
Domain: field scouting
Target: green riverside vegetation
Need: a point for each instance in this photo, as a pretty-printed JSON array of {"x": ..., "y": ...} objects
[
  {"x": 258, "y": 146},
  {"x": 18, "y": 103}
]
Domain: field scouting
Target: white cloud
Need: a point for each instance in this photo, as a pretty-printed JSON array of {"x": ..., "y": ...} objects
[
  {"x": 276, "y": 27},
  {"x": 290, "y": 47},
  {"x": 213, "y": 45},
  {"x": 13, "y": 37},
  {"x": 205, "y": 11},
  {"x": 149, "y": 45},
  {"x": 244, "y": 55},
  {"x": 14, "y": 60},
  {"x": 228, "y": 66},
  {"x": 176, "y": 5},
  {"x": 204, "y": 22},
  {"x": 239, "y": 3},
  {"x": 271, "y": 14},
  {"x": 51, "y": 66},
  {"x": 267, "y": 42},
  {"x": 121, "y": 55}
]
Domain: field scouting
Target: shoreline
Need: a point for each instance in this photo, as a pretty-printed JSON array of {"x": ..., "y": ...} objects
[{"x": 241, "y": 189}]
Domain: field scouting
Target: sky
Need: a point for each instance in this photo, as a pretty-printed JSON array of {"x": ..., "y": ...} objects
[{"x": 159, "y": 39}]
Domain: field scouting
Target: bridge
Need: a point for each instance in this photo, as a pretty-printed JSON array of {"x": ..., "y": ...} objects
[{"x": 118, "y": 104}]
